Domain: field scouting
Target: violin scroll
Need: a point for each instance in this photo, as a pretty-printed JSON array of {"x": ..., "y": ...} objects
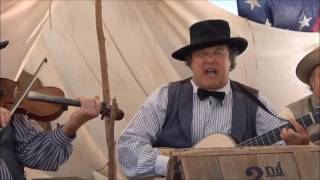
[{"x": 106, "y": 111}]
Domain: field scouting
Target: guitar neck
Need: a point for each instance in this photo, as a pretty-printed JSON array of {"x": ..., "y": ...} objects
[{"x": 273, "y": 136}]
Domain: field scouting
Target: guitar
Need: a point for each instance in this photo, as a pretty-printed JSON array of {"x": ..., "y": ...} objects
[{"x": 269, "y": 138}]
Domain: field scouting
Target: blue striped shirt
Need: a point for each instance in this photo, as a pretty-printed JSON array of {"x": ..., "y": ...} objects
[
  {"x": 37, "y": 149},
  {"x": 136, "y": 154}
]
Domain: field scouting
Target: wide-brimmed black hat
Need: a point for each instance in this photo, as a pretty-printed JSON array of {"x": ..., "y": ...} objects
[
  {"x": 3, "y": 44},
  {"x": 307, "y": 65},
  {"x": 208, "y": 33}
]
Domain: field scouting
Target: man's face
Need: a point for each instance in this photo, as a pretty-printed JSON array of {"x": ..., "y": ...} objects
[
  {"x": 210, "y": 67},
  {"x": 315, "y": 81}
]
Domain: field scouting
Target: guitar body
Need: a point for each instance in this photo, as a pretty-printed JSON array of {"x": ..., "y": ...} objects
[
  {"x": 211, "y": 141},
  {"x": 216, "y": 140}
]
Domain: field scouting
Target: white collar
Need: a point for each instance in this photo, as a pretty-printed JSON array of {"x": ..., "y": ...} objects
[{"x": 225, "y": 88}]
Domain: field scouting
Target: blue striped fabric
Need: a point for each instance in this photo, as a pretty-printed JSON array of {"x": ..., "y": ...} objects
[
  {"x": 36, "y": 148},
  {"x": 138, "y": 157}
]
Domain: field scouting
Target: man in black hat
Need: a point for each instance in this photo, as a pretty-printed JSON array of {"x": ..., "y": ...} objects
[
  {"x": 180, "y": 114},
  {"x": 308, "y": 71},
  {"x": 24, "y": 143}
]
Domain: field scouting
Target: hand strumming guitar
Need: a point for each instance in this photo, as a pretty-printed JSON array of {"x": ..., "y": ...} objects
[{"x": 292, "y": 137}]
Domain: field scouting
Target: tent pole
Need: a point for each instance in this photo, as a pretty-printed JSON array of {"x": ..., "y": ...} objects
[{"x": 109, "y": 122}]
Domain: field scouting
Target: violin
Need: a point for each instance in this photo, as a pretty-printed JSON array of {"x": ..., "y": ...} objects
[{"x": 43, "y": 103}]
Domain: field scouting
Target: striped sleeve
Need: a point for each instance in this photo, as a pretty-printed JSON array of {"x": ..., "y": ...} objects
[
  {"x": 38, "y": 149},
  {"x": 136, "y": 154},
  {"x": 4, "y": 171},
  {"x": 265, "y": 122}
]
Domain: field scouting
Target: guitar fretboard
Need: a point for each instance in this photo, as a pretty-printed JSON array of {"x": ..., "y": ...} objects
[{"x": 273, "y": 136}]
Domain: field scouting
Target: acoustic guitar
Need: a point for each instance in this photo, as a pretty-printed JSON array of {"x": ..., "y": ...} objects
[{"x": 269, "y": 138}]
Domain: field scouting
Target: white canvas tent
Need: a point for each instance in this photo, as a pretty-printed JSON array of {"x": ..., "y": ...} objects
[{"x": 140, "y": 37}]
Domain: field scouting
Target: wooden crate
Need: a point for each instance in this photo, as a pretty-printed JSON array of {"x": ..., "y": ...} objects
[
  {"x": 59, "y": 178},
  {"x": 272, "y": 162}
]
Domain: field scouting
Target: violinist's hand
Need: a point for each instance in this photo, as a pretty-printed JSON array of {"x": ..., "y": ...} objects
[
  {"x": 90, "y": 108},
  {"x": 5, "y": 117},
  {"x": 291, "y": 137}
]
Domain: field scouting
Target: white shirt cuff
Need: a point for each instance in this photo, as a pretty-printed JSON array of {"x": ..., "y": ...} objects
[{"x": 161, "y": 165}]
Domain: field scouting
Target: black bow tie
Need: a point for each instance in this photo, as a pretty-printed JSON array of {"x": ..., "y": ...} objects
[{"x": 203, "y": 94}]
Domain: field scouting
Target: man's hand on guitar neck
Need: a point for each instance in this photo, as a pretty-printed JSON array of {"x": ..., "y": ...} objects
[{"x": 292, "y": 137}]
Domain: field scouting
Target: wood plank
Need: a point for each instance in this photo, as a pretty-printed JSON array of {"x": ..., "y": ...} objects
[
  {"x": 308, "y": 164},
  {"x": 273, "y": 162},
  {"x": 235, "y": 166},
  {"x": 59, "y": 178},
  {"x": 278, "y": 166},
  {"x": 204, "y": 167},
  {"x": 243, "y": 150}
]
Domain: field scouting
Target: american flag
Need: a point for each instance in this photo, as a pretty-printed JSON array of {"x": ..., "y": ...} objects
[{"x": 296, "y": 15}]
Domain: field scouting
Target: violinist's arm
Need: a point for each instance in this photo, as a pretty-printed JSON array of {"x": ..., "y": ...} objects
[
  {"x": 90, "y": 108},
  {"x": 47, "y": 151},
  {"x": 38, "y": 149}
]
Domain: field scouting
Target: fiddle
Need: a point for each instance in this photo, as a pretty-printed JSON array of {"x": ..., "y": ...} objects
[
  {"x": 36, "y": 95},
  {"x": 44, "y": 103}
]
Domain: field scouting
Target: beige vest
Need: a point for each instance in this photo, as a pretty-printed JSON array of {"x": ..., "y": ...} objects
[{"x": 303, "y": 107}]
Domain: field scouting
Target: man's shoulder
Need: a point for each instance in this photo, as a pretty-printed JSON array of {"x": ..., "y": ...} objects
[
  {"x": 299, "y": 102},
  {"x": 160, "y": 92},
  {"x": 171, "y": 85},
  {"x": 177, "y": 86},
  {"x": 180, "y": 82},
  {"x": 239, "y": 87}
]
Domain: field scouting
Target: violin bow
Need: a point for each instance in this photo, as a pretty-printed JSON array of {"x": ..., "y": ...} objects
[
  {"x": 26, "y": 91},
  {"x": 109, "y": 122}
]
